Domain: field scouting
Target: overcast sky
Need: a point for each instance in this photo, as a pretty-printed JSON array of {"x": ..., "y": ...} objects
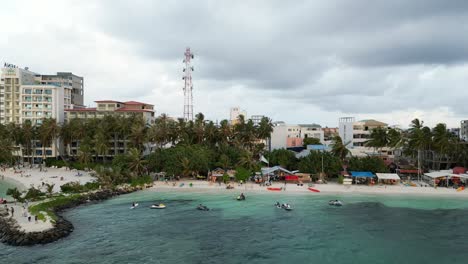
[{"x": 295, "y": 61}]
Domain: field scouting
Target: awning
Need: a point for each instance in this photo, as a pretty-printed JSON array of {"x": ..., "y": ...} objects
[
  {"x": 362, "y": 174},
  {"x": 388, "y": 176},
  {"x": 291, "y": 178},
  {"x": 408, "y": 171},
  {"x": 440, "y": 174}
]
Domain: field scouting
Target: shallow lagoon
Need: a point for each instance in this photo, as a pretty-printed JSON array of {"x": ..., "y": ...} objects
[{"x": 367, "y": 229}]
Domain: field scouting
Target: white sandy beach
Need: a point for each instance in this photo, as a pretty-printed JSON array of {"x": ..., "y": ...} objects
[
  {"x": 330, "y": 188},
  {"x": 26, "y": 178}
]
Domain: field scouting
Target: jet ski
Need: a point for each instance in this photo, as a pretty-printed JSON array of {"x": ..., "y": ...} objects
[
  {"x": 278, "y": 205},
  {"x": 286, "y": 207},
  {"x": 158, "y": 206},
  {"x": 134, "y": 205},
  {"x": 335, "y": 203},
  {"x": 202, "y": 208},
  {"x": 241, "y": 197}
]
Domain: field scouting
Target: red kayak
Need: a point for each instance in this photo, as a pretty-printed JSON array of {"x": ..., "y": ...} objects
[
  {"x": 274, "y": 189},
  {"x": 313, "y": 190}
]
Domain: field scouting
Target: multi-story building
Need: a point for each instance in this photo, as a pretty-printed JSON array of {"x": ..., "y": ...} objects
[
  {"x": 73, "y": 86},
  {"x": 256, "y": 119},
  {"x": 235, "y": 113},
  {"x": 25, "y": 95},
  {"x": 328, "y": 134},
  {"x": 362, "y": 130},
  {"x": 464, "y": 130},
  {"x": 28, "y": 96},
  {"x": 291, "y": 136},
  {"x": 345, "y": 130},
  {"x": 110, "y": 107}
]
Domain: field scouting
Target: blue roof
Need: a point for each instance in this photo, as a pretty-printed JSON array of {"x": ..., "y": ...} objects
[
  {"x": 318, "y": 147},
  {"x": 362, "y": 174}
]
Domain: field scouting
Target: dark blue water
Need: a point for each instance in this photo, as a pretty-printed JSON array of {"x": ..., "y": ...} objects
[{"x": 365, "y": 230}]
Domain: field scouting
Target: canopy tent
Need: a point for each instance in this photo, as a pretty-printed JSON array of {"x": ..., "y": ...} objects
[
  {"x": 267, "y": 171},
  {"x": 459, "y": 170},
  {"x": 362, "y": 174},
  {"x": 440, "y": 174},
  {"x": 432, "y": 177},
  {"x": 388, "y": 176}
]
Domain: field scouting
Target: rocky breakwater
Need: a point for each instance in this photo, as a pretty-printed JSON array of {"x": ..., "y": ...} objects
[{"x": 12, "y": 233}]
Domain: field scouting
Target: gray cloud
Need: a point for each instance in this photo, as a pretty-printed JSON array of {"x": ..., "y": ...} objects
[{"x": 336, "y": 56}]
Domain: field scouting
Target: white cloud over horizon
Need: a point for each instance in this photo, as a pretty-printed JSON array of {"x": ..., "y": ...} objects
[{"x": 298, "y": 62}]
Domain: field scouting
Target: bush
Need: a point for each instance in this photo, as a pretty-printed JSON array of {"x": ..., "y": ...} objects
[
  {"x": 76, "y": 187},
  {"x": 141, "y": 181},
  {"x": 340, "y": 179},
  {"x": 33, "y": 194},
  {"x": 50, "y": 205},
  {"x": 54, "y": 162}
]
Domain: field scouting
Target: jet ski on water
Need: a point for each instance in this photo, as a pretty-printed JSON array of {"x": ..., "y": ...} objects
[
  {"x": 335, "y": 203},
  {"x": 241, "y": 197},
  {"x": 158, "y": 206},
  {"x": 278, "y": 205},
  {"x": 134, "y": 205},
  {"x": 202, "y": 208},
  {"x": 286, "y": 207}
]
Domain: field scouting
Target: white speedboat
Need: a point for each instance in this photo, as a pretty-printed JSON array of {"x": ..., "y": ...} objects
[{"x": 158, "y": 206}]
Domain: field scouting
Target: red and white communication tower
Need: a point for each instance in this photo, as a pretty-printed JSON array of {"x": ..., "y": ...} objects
[{"x": 188, "y": 99}]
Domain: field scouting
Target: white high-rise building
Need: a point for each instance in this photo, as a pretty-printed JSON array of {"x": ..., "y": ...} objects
[
  {"x": 345, "y": 130},
  {"x": 235, "y": 113}
]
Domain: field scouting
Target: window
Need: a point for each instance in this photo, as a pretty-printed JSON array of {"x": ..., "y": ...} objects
[
  {"x": 48, "y": 91},
  {"x": 27, "y": 91}
]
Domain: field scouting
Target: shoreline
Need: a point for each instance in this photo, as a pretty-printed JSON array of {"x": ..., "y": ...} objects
[
  {"x": 325, "y": 189},
  {"x": 12, "y": 233}
]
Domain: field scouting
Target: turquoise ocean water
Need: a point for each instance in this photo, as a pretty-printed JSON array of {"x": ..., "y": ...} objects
[
  {"x": 4, "y": 185},
  {"x": 367, "y": 229}
]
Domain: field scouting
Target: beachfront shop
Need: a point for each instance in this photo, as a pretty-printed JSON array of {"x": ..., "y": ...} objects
[
  {"x": 388, "y": 178},
  {"x": 445, "y": 179},
  {"x": 363, "y": 177}
]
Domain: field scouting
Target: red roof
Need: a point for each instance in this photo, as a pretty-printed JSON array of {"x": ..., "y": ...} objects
[
  {"x": 409, "y": 171},
  {"x": 107, "y": 101},
  {"x": 81, "y": 110},
  {"x": 124, "y": 109},
  {"x": 135, "y": 103}
]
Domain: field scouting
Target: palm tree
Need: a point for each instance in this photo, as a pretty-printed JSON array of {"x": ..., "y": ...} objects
[
  {"x": 339, "y": 148},
  {"x": 199, "y": 127},
  {"x": 138, "y": 134},
  {"x": 135, "y": 162},
  {"x": 186, "y": 167},
  {"x": 28, "y": 135},
  {"x": 49, "y": 189},
  {"x": 419, "y": 139},
  {"x": 101, "y": 144},
  {"x": 49, "y": 131},
  {"x": 247, "y": 161},
  {"x": 442, "y": 141},
  {"x": 378, "y": 138},
  {"x": 225, "y": 131}
]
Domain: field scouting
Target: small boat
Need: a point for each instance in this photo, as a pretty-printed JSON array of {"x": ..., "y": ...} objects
[
  {"x": 313, "y": 190},
  {"x": 134, "y": 206},
  {"x": 202, "y": 208},
  {"x": 158, "y": 206},
  {"x": 335, "y": 203},
  {"x": 274, "y": 188}
]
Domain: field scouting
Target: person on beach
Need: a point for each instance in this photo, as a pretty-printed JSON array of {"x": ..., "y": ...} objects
[
  {"x": 35, "y": 219},
  {"x": 12, "y": 211},
  {"x": 29, "y": 218}
]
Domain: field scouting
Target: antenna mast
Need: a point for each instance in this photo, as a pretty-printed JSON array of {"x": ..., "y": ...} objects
[{"x": 188, "y": 87}]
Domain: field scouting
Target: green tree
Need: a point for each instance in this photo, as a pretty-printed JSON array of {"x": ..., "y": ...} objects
[
  {"x": 311, "y": 141},
  {"x": 242, "y": 174}
]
